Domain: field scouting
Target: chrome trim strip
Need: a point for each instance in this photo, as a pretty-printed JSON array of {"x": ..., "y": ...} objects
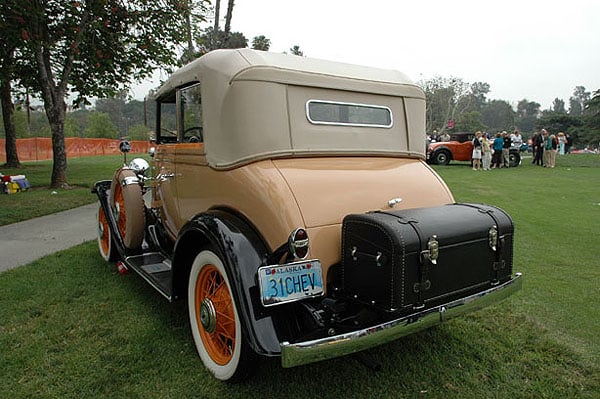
[{"x": 326, "y": 348}]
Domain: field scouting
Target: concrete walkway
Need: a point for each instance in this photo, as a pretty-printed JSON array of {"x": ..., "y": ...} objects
[{"x": 24, "y": 242}]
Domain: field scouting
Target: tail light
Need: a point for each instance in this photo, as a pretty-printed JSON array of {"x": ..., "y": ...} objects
[{"x": 299, "y": 243}]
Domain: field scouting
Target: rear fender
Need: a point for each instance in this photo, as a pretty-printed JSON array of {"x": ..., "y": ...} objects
[{"x": 243, "y": 253}]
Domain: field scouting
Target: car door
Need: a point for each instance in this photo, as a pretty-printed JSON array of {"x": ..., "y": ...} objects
[{"x": 165, "y": 173}]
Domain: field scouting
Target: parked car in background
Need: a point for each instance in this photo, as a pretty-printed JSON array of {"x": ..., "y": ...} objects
[
  {"x": 288, "y": 202},
  {"x": 460, "y": 148}
]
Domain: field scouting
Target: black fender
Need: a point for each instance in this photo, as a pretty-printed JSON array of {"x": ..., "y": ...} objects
[
  {"x": 101, "y": 189},
  {"x": 243, "y": 253}
]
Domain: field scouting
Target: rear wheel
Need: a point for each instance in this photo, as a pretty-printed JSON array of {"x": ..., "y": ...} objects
[
  {"x": 128, "y": 207},
  {"x": 514, "y": 159},
  {"x": 215, "y": 321},
  {"x": 105, "y": 238}
]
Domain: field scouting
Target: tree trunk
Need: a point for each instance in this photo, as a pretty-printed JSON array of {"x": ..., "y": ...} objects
[
  {"x": 56, "y": 117},
  {"x": 228, "y": 18},
  {"x": 8, "y": 113},
  {"x": 217, "y": 15}
]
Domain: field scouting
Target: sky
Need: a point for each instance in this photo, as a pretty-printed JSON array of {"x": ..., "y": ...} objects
[{"x": 526, "y": 49}]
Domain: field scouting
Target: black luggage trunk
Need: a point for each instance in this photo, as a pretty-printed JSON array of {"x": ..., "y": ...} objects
[{"x": 409, "y": 259}]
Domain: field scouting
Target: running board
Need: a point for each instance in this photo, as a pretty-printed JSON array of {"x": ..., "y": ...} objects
[{"x": 156, "y": 269}]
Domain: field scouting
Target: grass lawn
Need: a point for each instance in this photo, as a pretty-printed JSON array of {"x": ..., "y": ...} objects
[
  {"x": 41, "y": 200},
  {"x": 72, "y": 327}
]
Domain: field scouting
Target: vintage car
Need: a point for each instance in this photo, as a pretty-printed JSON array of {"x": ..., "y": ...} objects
[
  {"x": 288, "y": 201},
  {"x": 460, "y": 148}
]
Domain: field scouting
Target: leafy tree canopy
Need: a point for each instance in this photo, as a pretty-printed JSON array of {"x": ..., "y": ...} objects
[
  {"x": 213, "y": 39},
  {"x": 261, "y": 43},
  {"x": 91, "y": 48}
]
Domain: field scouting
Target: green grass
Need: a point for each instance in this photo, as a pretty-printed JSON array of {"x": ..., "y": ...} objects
[
  {"x": 41, "y": 200},
  {"x": 72, "y": 327}
]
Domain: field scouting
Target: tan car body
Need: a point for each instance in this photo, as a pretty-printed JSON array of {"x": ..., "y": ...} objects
[{"x": 280, "y": 195}]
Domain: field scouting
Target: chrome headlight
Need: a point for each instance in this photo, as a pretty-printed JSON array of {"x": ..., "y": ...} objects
[{"x": 139, "y": 166}]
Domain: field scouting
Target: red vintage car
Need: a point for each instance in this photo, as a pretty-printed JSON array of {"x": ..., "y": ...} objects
[{"x": 460, "y": 148}]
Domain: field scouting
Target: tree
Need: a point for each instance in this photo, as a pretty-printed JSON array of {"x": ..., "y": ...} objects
[
  {"x": 469, "y": 122},
  {"x": 217, "y": 13},
  {"x": 556, "y": 122},
  {"x": 100, "y": 125},
  {"x": 10, "y": 39},
  {"x": 261, "y": 43},
  {"x": 446, "y": 99},
  {"x": 499, "y": 115},
  {"x": 193, "y": 14},
  {"x": 527, "y": 114},
  {"x": 558, "y": 106},
  {"x": 8, "y": 116},
  {"x": 479, "y": 91},
  {"x": 578, "y": 100},
  {"x": 95, "y": 48},
  {"x": 228, "y": 17},
  {"x": 590, "y": 131},
  {"x": 295, "y": 50},
  {"x": 213, "y": 40}
]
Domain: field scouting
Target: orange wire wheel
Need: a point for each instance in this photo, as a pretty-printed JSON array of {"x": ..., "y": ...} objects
[
  {"x": 105, "y": 239},
  {"x": 128, "y": 207},
  {"x": 214, "y": 319},
  {"x": 214, "y": 310}
]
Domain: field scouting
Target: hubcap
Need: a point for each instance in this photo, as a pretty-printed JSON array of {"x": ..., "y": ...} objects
[{"x": 208, "y": 316}]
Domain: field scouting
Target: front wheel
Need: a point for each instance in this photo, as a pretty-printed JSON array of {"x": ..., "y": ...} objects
[
  {"x": 214, "y": 319},
  {"x": 105, "y": 238}
]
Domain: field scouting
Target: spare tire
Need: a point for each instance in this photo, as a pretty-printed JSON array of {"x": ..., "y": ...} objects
[{"x": 128, "y": 207}]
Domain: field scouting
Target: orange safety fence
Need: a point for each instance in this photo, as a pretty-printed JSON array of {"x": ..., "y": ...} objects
[{"x": 40, "y": 148}]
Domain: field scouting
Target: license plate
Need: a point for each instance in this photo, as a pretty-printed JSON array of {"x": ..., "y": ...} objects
[{"x": 290, "y": 282}]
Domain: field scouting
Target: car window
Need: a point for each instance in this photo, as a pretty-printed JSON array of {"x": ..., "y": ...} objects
[
  {"x": 463, "y": 138},
  {"x": 348, "y": 114},
  {"x": 167, "y": 120},
  {"x": 190, "y": 114}
]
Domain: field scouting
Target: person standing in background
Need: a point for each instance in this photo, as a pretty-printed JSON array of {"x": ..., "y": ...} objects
[
  {"x": 552, "y": 150},
  {"x": 497, "y": 157},
  {"x": 506, "y": 149},
  {"x": 539, "y": 155},
  {"x": 476, "y": 155},
  {"x": 547, "y": 145},
  {"x": 486, "y": 152},
  {"x": 517, "y": 140},
  {"x": 561, "y": 143}
]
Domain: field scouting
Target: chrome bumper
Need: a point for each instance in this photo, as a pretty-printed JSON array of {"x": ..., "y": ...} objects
[{"x": 352, "y": 342}]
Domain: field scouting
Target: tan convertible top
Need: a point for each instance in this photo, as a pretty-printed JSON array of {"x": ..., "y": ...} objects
[{"x": 254, "y": 106}]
